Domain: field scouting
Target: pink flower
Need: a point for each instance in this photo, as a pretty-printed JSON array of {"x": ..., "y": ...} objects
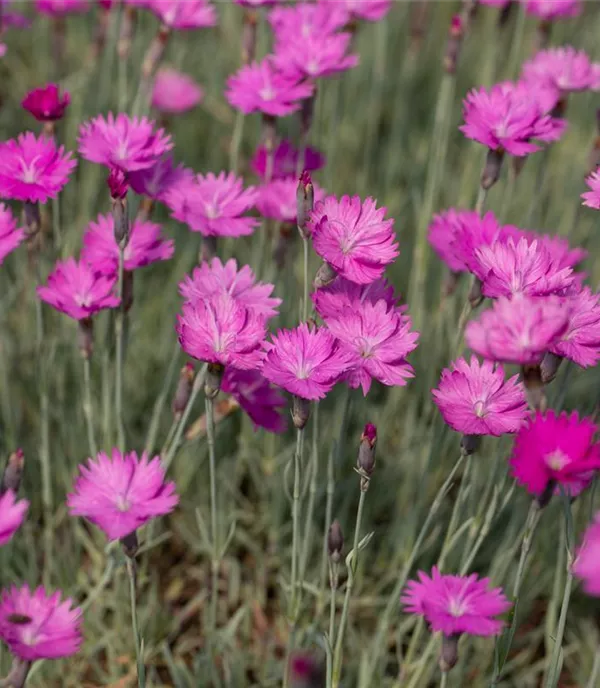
[
  {"x": 587, "y": 562},
  {"x": 157, "y": 181},
  {"x": 558, "y": 247},
  {"x": 10, "y": 235},
  {"x": 555, "y": 449},
  {"x": 563, "y": 69},
  {"x": 475, "y": 399},
  {"x": 221, "y": 330},
  {"x": 369, "y": 10},
  {"x": 146, "y": 245},
  {"x": 121, "y": 493},
  {"x": 306, "y": 19},
  {"x": 257, "y": 397},
  {"x": 210, "y": 279},
  {"x": 592, "y": 198},
  {"x": 307, "y": 362},
  {"x": 553, "y": 9},
  {"x": 175, "y": 92},
  {"x": 12, "y": 514},
  {"x": 580, "y": 342},
  {"x": 33, "y": 168},
  {"x": 314, "y": 56},
  {"x": 380, "y": 339},
  {"x": 277, "y": 199},
  {"x": 353, "y": 237},
  {"x": 456, "y": 604},
  {"x": 183, "y": 15},
  {"x": 76, "y": 289},
  {"x": 122, "y": 142},
  {"x": 261, "y": 87},
  {"x": 46, "y": 104},
  {"x": 285, "y": 161},
  {"x": 58, "y": 8},
  {"x": 518, "y": 330},
  {"x": 342, "y": 295},
  {"x": 36, "y": 625},
  {"x": 212, "y": 205}
]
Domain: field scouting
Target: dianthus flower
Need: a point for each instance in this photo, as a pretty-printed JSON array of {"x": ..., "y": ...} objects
[
  {"x": 353, "y": 237},
  {"x": 587, "y": 562},
  {"x": 285, "y": 161},
  {"x": 518, "y": 330},
  {"x": 59, "y": 8},
  {"x": 146, "y": 245},
  {"x": 551, "y": 449},
  {"x": 563, "y": 69},
  {"x": 558, "y": 247},
  {"x": 121, "y": 493},
  {"x": 307, "y": 19},
  {"x": 475, "y": 398},
  {"x": 175, "y": 92},
  {"x": 10, "y": 235},
  {"x": 261, "y": 87},
  {"x": 183, "y": 14},
  {"x": 12, "y": 513},
  {"x": 315, "y": 56},
  {"x": 75, "y": 289},
  {"x": 257, "y": 397},
  {"x": 592, "y": 198},
  {"x": 553, "y": 9},
  {"x": 456, "y": 604},
  {"x": 277, "y": 200},
  {"x": 342, "y": 295},
  {"x": 210, "y": 279},
  {"x": 157, "y": 181},
  {"x": 580, "y": 342},
  {"x": 33, "y": 168},
  {"x": 36, "y": 625},
  {"x": 221, "y": 330},
  {"x": 125, "y": 143},
  {"x": 369, "y": 10},
  {"x": 307, "y": 362},
  {"x": 46, "y": 104}
]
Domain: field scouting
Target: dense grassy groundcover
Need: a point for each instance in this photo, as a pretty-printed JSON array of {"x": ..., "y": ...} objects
[{"x": 375, "y": 125}]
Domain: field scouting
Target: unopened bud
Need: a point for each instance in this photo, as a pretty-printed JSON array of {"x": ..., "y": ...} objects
[
  {"x": 184, "y": 390},
  {"x": 491, "y": 169},
  {"x": 85, "y": 337},
  {"x": 13, "y": 472},
  {"x": 366, "y": 455},
  {"x": 130, "y": 544},
  {"x": 335, "y": 542},
  {"x": 300, "y": 412},
  {"x": 549, "y": 367},
  {"x": 455, "y": 36},
  {"x": 118, "y": 184},
  {"x": 212, "y": 382},
  {"x": 306, "y": 671},
  {"x": 469, "y": 444},
  {"x": 305, "y": 200},
  {"x": 449, "y": 652},
  {"x": 534, "y": 387},
  {"x": 325, "y": 276}
]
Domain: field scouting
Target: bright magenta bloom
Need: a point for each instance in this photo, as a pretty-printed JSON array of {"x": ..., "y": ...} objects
[
  {"x": 342, "y": 295},
  {"x": 76, "y": 289},
  {"x": 261, "y": 87},
  {"x": 456, "y": 604},
  {"x": 121, "y": 493},
  {"x": 46, "y": 104},
  {"x": 157, "y": 181},
  {"x": 580, "y": 342},
  {"x": 10, "y": 235},
  {"x": 554, "y": 448},
  {"x": 54, "y": 628},
  {"x": 12, "y": 514},
  {"x": 277, "y": 200},
  {"x": 257, "y": 397},
  {"x": 146, "y": 245},
  {"x": 123, "y": 142},
  {"x": 563, "y": 69},
  {"x": 369, "y": 10},
  {"x": 553, "y": 9},
  {"x": 58, "y": 8},
  {"x": 210, "y": 279},
  {"x": 285, "y": 161},
  {"x": 518, "y": 330},
  {"x": 353, "y": 237},
  {"x": 592, "y": 198},
  {"x": 307, "y": 362},
  {"x": 33, "y": 168},
  {"x": 558, "y": 247},
  {"x": 587, "y": 562},
  {"x": 183, "y": 14},
  {"x": 221, "y": 330},
  {"x": 475, "y": 399},
  {"x": 314, "y": 56},
  {"x": 175, "y": 92}
]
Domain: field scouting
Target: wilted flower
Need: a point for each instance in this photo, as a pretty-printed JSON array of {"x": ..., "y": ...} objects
[
  {"x": 175, "y": 92},
  {"x": 46, "y": 104},
  {"x": 285, "y": 161},
  {"x": 342, "y": 295},
  {"x": 277, "y": 199},
  {"x": 59, "y": 8},
  {"x": 580, "y": 342},
  {"x": 10, "y": 235},
  {"x": 592, "y": 198},
  {"x": 257, "y": 397},
  {"x": 587, "y": 562},
  {"x": 12, "y": 513},
  {"x": 183, "y": 14},
  {"x": 158, "y": 181}
]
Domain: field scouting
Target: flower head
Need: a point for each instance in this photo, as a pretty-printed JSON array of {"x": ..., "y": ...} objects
[
  {"x": 285, "y": 161},
  {"x": 369, "y": 10},
  {"x": 257, "y": 397},
  {"x": 553, "y": 9},
  {"x": 563, "y": 69},
  {"x": 277, "y": 199},
  {"x": 580, "y": 342},
  {"x": 308, "y": 19},
  {"x": 121, "y": 493},
  {"x": 12, "y": 513},
  {"x": 314, "y": 56},
  {"x": 587, "y": 562},
  {"x": 58, "y": 8},
  {"x": 175, "y": 92},
  {"x": 46, "y": 104},
  {"x": 10, "y": 235},
  {"x": 183, "y": 15},
  {"x": 592, "y": 198},
  {"x": 160, "y": 179},
  {"x": 342, "y": 295}
]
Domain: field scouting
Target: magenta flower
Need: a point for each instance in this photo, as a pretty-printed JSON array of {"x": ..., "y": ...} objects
[
  {"x": 221, "y": 330},
  {"x": 592, "y": 198},
  {"x": 47, "y": 626},
  {"x": 75, "y": 289},
  {"x": 59, "y": 8},
  {"x": 518, "y": 330},
  {"x": 580, "y": 342},
  {"x": 552, "y": 449},
  {"x": 46, "y": 104},
  {"x": 175, "y": 92},
  {"x": 277, "y": 200},
  {"x": 307, "y": 362},
  {"x": 158, "y": 181},
  {"x": 314, "y": 56},
  {"x": 33, "y": 168},
  {"x": 257, "y": 397},
  {"x": 285, "y": 161},
  {"x": 475, "y": 399},
  {"x": 558, "y": 247},
  {"x": 121, "y": 493},
  {"x": 12, "y": 514},
  {"x": 553, "y": 9},
  {"x": 342, "y": 295},
  {"x": 183, "y": 15},
  {"x": 456, "y": 604},
  {"x": 369, "y": 10},
  {"x": 261, "y": 87},
  {"x": 10, "y": 235},
  {"x": 353, "y": 237},
  {"x": 122, "y": 142},
  {"x": 211, "y": 279},
  {"x": 307, "y": 19},
  {"x": 563, "y": 69},
  {"x": 587, "y": 562}
]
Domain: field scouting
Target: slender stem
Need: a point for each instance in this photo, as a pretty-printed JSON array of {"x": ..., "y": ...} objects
[
  {"x": 102, "y": 583},
  {"x": 216, "y": 554},
  {"x": 141, "y": 669},
  {"x": 294, "y": 597},
  {"x": 444, "y": 679},
  {"x": 162, "y": 399},
  {"x": 310, "y": 510},
  {"x": 236, "y": 141},
  {"x": 56, "y": 223},
  {"x": 454, "y": 517},
  {"x": 87, "y": 406},
  {"x": 106, "y": 390},
  {"x": 592, "y": 682},
  {"x": 481, "y": 198},
  {"x": 305, "y": 293},
  {"x": 119, "y": 359},
  {"x": 517, "y": 43},
  {"x": 333, "y": 576}
]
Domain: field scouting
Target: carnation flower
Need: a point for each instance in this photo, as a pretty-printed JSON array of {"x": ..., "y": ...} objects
[
  {"x": 353, "y": 237},
  {"x": 369, "y": 10},
  {"x": 456, "y": 604},
  {"x": 160, "y": 179},
  {"x": 285, "y": 161},
  {"x": 558, "y": 247},
  {"x": 261, "y": 87},
  {"x": 76, "y": 289},
  {"x": 587, "y": 562},
  {"x": 314, "y": 56},
  {"x": 305, "y": 361},
  {"x": 277, "y": 199},
  {"x": 553, "y": 9},
  {"x": 211, "y": 279},
  {"x": 342, "y": 295},
  {"x": 257, "y": 397},
  {"x": 475, "y": 399},
  {"x": 33, "y": 168},
  {"x": 563, "y": 69},
  {"x": 552, "y": 449},
  {"x": 125, "y": 143},
  {"x": 592, "y": 198},
  {"x": 183, "y": 14},
  {"x": 59, "y": 8},
  {"x": 580, "y": 342},
  {"x": 121, "y": 493},
  {"x": 306, "y": 19},
  {"x": 36, "y": 625},
  {"x": 46, "y": 104},
  {"x": 175, "y": 92},
  {"x": 10, "y": 235},
  {"x": 12, "y": 514}
]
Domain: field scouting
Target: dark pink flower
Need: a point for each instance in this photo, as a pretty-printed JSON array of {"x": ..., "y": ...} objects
[
  {"x": 285, "y": 161},
  {"x": 592, "y": 198},
  {"x": 369, "y": 10},
  {"x": 157, "y": 181},
  {"x": 257, "y": 397},
  {"x": 580, "y": 342},
  {"x": 314, "y": 56},
  {"x": 118, "y": 183},
  {"x": 46, "y": 104},
  {"x": 587, "y": 562},
  {"x": 553, "y": 9},
  {"x": 342, "y": 295},
  {"x": 59, "y": 8},
  {"x": 10, "y": 235},
  {"x": 175, "y": 92},
  {"x": 277, "y": 200},
  {"x": 563, "y": 69},
  {"x": 12, "y": 514},
  {"x": 183, "y": 15}
]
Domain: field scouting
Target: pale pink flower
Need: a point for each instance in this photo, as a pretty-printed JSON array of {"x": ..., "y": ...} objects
[
  {"x": 58, "y": 8},
  {"x": 183, "y": 15},
  {"x": 175, "y": 92},
  {"x": 369, "y": 10},
  {"x": 257, "y": 397},
  {"x": 285, "y": 161},
  {"x": 587, "y": 563},
  {"x": 314, "y": 56},
  {"x": 342, "y": 295},
  {"x": 308, "y": 19},
  {"x": 10, "y": 235},
  {"x": 12, "y": 514},
  {"x": 592, "y": 198},
  {"x": 158, "y": 181},
  {"x": 277, "y": 200},
  {"x": 46, "y": 104},
  {"x": 580, "y": 342},
  {"x": 553, "y": 9},
  {"x": 563, "y": 69}
]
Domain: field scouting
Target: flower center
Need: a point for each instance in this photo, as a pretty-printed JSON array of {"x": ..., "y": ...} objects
[
  {"x": 479, "y": 408},
  {"x": 557, "y": 460},
  {"x": 457, "y": 607},
  {"x": 122, "y": 504},
  {"x": 29, "y": 636},
  {"x": 83, "y": 299},
  {"x": 122, "y": 150},
  {"x": 211, "y": 211},
  {"x": 29, "y": 173},
  {"x": 267, "y": 93},
  {"x": 364, "y": 346},
  {"x": 303, "y": 372}
]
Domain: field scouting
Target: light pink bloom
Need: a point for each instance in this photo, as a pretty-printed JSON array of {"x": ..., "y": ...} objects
[
  {"x": 210, "y": 279},
  {"x": 456, "y": 604},
  {"x": 369, "y": 10},
  {"x": 563, "y": 69},
  {"x": 307, "y": 362},
  {"x": 121, "y": 493},
  {"x": 558, "y": 247},
  {"x": 587, "y": 562},
  {"x": 125, "y": 143},
  {"x": 46, "y": 628},
  {"x": 257, "y": 397},
  {"x": 157, "y": 181},
  {"x": 12, "y": 514},
  {"x": 58, "y": 8},
  {"x": 342, "y": 295},
  {"x": 33, "y": 168},
  {"x": 308, "y": 19},
  {"x": 555, "y": 449},
  {"x": 285, "y": 161},
  {"x": 261, "y": 87},
  {"x": 277, "y": 200},
  {"x": 475, "y": 398},
  {"x": 592, "y": 198},
  {"x": 175, "y": 92},
  {"x": 553, "y": 9},
  {"x": 580, "y": 342},
  {"x": 10, "y": 235},
  {"x": 46, "y": 104},
  {"x": 75, "y": 289},
  {"x": 314, "y": 56},
  {"x": 183, "y": 15}
]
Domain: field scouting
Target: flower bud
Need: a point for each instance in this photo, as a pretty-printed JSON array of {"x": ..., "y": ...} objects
[
  {"x": 491, "y": 169},
  {"x": 305, "y": 200},
  {"x": 120, "y": 209},
  {"x": 325, "y": 276},
  {"x": 306, "y": 671},
  {"x": 469, "y": 444},
  {"x": 366, "y": 455},
  {"x": 534, "y": 387},
  {"x": 13, "y": 472},
  {"x": 335, "y": 541},
  {"x": 85, "y": 337},
  {"x": 449, "y": 652},
  {"x": 130, "y": 544},
  {"x": 212, "y": 382},
  {"x": 300, "y": 412},
  {"x": 455, "y": 37},
  {"x": 184, "y": 390},
  {"x": 118, "y": 184},
  {"x": 549, "y": 367}
]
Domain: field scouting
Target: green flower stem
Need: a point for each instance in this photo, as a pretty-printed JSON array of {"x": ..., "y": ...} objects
[
  {"x": 141, "y": 669},
  {"x": 444, "y": 679},
  {"x": 306, "y": 287},
  {"x": 312, "y": 494},
  {"x": 214, "y": 525},
  {"x": 236, "y": 141},
  {"x": 161, "y": 400},
  {"x": 119, "y": 318},
  {"x": 87, "y": 406},
  {"x": 593, "y": 680},
  {"x": 295, "y": 594}
]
